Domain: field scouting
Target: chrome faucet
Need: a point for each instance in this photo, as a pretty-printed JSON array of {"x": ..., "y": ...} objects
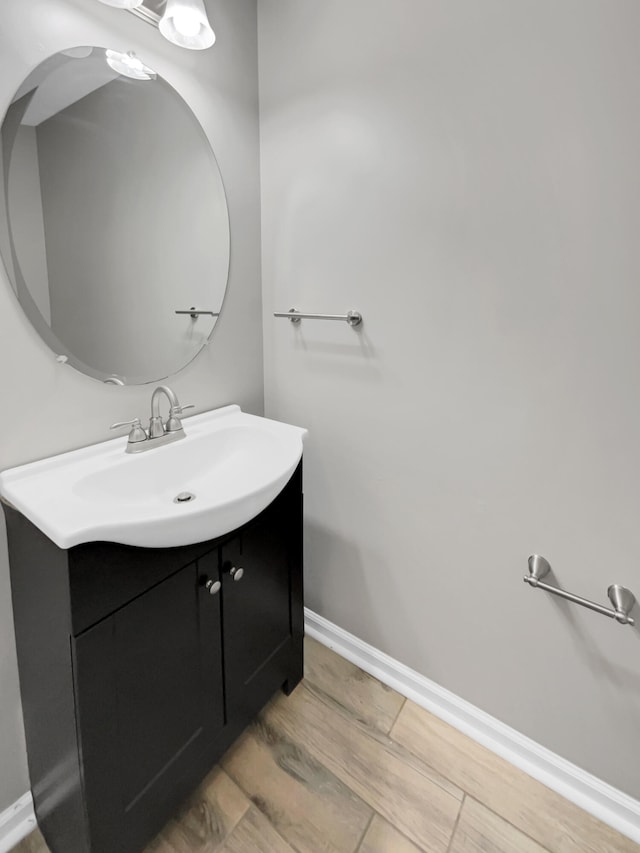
[
  {"x": 156, "y": 428},
  {"x": 159, "y": 432}
]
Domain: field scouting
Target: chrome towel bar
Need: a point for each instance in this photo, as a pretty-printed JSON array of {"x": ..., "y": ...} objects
[
  {"x": 622, "y": 598},
  {"x": 353, "y": 318},
  {"x": 194, "y": 313}
]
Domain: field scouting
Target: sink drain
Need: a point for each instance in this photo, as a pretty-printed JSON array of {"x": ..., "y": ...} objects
[{"x": 184, "y": 498}]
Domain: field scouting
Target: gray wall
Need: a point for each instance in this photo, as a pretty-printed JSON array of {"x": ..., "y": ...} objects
[
  {"x": 27, "y": 223},
  {"x": 48, "y": 407},
  {"x": 465, "y": 174},
  {"x": 5, "y": 240}
]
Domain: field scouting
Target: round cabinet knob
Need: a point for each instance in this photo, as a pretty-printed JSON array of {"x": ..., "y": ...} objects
[
  {"x": 236, "y": 573},
  {"x": 213, "y": 587}
]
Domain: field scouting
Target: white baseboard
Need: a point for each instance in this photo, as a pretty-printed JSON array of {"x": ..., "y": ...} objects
[
  {"x": 596, "y": 797},
  {"x": 16, "y": 823}
]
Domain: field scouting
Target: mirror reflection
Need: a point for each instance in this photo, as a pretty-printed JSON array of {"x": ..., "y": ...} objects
[{"x": 113, "y": 216}]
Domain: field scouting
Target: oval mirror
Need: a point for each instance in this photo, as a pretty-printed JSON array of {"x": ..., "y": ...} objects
[{"x": 113, "y": 217}]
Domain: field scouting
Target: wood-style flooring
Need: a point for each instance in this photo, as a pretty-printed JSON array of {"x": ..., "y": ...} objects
[{"x": 346, "y": 764}]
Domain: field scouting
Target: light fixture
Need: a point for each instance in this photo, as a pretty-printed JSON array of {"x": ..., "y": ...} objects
[
  {"x": 123, "y": 4},
  {"x": 78, "y": 52},
  {"x": 185, "y": 23},
  {"x": 129, "y": 65}
]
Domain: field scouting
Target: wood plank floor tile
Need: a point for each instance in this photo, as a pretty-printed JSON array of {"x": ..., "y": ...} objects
[
  {"x": 33, "y": 843},
  {"x": 540, "y": 813},
  {"x": 381, "y": 837},
  {"x": 411, "y": 796},
  {"x": 206, "y": 819},
  {"x": 254, "y": 834},
  {"x": 338, "y": 681},
  {"x": 480, "y": 830},
  {"x": 309, "y": 806}
]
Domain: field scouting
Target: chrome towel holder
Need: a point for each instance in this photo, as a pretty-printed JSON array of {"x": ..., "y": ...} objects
[
  {"x": 623, "y": 599},
  {"x": 194, "y": 313},
  {"x": 353, "y": 318}
]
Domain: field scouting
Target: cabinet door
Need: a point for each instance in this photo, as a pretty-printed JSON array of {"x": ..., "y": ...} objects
[
  {"x": 262, "y": 640},
  {"x": 149, "y": 701}
]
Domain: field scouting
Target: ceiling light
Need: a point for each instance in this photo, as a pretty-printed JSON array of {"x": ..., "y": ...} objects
[
  {"x": 123, "y": 4},
  {"x": 129, "y": 65},
  {"x": 185, "y": 23}
]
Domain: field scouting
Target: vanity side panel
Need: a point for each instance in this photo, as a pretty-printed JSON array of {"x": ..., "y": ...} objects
[
  {"x": 43, "y": 635},
  {"x": 296, "y": 569}
]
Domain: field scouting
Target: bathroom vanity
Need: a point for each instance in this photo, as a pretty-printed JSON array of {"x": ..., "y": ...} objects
[
  {"x": 140, "y": 666},
  {"x": 157, "y": 592}
]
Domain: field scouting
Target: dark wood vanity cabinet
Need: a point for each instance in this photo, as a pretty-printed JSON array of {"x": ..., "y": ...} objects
[
  {"x": 137, "y": 671},
  {"x": 261, "y": 603},
  {"x": 149, "y": 701}
]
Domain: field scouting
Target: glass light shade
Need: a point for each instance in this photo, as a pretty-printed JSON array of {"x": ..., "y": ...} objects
[
  {"x": 123, "y": 4},
  {"x": 186, "y": 24},
  {"x": 129, "y": 65},
  {"x": 78, "y": 52}
]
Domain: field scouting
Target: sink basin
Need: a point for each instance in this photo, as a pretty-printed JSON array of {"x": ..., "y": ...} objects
[{"x": 230, "y": 463}]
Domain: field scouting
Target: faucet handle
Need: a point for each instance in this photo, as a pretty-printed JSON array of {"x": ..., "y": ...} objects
[
  {"x": 174, "y": 424},
  {"x": 136, "y": 434}
]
